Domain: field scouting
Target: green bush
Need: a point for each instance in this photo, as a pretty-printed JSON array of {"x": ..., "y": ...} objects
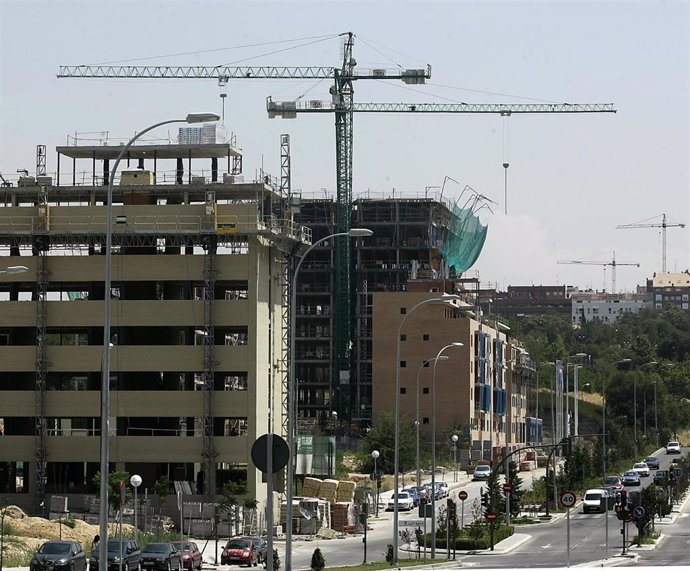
[
  {"x": 317, "y": 560},
  {"x": 484, "y": 542}
]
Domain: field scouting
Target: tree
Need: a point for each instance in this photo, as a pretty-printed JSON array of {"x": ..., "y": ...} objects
[
  {"x": 317, "y": 560},
  {"x": 163, "y": 488},
  {"x": 382, "y": 438},
  {"x": 406, "y": 537},
  {"x": 114, "y": 479},
  {"x": 390, "y": 557},
  {"x": 516, "y": 491}
]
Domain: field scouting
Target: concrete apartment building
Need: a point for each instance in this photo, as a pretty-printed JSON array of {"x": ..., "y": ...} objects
[
  {"x": 198, "y": 332},
  {"x": 481, "y": 389},
  {"x": 416, "y": 236}
]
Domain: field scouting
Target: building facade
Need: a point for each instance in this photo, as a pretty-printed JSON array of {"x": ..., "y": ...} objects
[
  {"x": 198, "y": 321},
  {"x": 480, "y": 390},
  {"x": 605, "y": 307},
  {"x": 670, "y": 290}
]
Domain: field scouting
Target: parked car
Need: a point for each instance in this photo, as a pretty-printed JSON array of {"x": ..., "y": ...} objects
[
  {"x": 597, "y": 500},
  {"x": 191, "y": 556},
  {"x": 660, "y": 477},
  {"x": 261, "y": 548},
  {"x": 403, "y": 499},
  {"x": 641, "y": 468},
  {"x": 59, "y": 556},
  {"x": 631, "y": 478},
  {"x": 240, "y": 550},
  {"x": 414, "y": 492},
  {"x": 443, "y": 487},
  {"x": 673, "y": 447},
  {"x": 481, "y": 472},
  {"x": 161, "y": 556},
  {"x": 131, "y": 555},
  {"x": 613, "y": 482},
  {"x": 652, "y": 462}
]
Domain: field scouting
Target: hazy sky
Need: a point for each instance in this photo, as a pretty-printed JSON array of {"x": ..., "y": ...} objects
[{"x": 571, "y": 179}]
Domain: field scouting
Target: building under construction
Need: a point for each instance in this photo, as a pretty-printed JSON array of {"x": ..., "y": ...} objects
[
  {"x": 415, "y": 238},
  {"x": 199, "y": 340}
]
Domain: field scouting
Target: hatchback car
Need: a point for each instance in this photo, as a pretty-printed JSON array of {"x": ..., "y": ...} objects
[
  {"x": 481, "y": 472},
  {"x": 652, "y": 462},
  {"x": 191, "y": 556},
  {"x": 59, "y": 556},
  {"x": 613, "y": 482},
  {"x": 261, "y": 548},
  {"x": 631, "y": 478},
  {"x": 641, "y": 468},
  {"x": 240, "y": 550},
  {"x": 161, "y": 557},
  {"x": 126, "y": 551},
  {"x": 403, "y": 499},
  {"x": 673, "y": 447}
]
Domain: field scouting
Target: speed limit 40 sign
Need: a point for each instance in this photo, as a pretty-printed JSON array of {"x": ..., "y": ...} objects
[{"x": 568, "y": 499}]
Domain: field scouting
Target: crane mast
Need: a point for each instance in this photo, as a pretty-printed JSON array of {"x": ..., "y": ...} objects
[
  {"x": 663, "y": 225},
  {"x": 343, "y": 106},
  {"x": 612, "y": 263}
]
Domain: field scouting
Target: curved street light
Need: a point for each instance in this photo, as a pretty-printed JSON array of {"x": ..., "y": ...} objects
[
  {"x": 105, "y": 377},
  {"x": 433, "y": 447},
  {"x": 417, "y": 421},
  {"x": 445, "y": 299},
  {"x": 292, "y": 387}
]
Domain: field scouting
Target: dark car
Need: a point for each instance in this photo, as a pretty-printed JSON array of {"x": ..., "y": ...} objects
[
  {"x": 652, "y": 462},
  {"x": 261, "y": 548},
  {"x": 660, "y": 477},
  {"x": 131, "y": 555},
  {"x": 240, "y": 550},
  {"x": 59, "y": 556},
  {"x": 161, "y": 556},
  {"x": 191, "y": 556},
  {"x": 631, "y": 479}
]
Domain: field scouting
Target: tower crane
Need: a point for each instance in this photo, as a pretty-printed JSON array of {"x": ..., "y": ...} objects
[
  {"x": 612, "y": 263},
  {"x": 663, "y": 225},
  {"x": 343, "y": 106}
]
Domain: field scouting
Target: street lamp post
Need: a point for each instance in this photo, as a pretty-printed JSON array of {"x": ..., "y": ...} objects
[
  {"x": 445, "y": 299},
  {"x": 105, "y": 377},
  {"x": 433, "y": 448},
  {"x": 135, "y": 480},
  {"x": 656, "y": 418},
  {"x": 454, "y": 438},
  {"x": 417, "y": 421},
  {"x": 292, "y": 387},
  {"x": 375, "y": 456}
]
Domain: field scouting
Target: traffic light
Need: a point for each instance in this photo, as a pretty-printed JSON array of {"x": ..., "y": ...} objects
[{"x": 486, "y": 499}]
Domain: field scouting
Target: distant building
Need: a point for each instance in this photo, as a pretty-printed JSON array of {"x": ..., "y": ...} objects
[
  {"x": 670, "y": 290},
  {"x": 605, "y": 307},
  {"x": 519, "y": 301}
]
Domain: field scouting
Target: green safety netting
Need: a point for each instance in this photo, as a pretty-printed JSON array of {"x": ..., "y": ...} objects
[{"x": 465, "y": 240}]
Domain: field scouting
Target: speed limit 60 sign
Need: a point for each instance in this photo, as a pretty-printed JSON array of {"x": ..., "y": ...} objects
[{"x": 568, "y": 499}]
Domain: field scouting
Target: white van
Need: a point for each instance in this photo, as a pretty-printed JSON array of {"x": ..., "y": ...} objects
[{"x": 597, "y": 500}]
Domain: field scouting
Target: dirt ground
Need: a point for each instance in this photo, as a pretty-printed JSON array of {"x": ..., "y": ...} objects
[{"x": 28, "y": 533}]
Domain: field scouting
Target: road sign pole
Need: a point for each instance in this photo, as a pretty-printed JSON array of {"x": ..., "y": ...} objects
[
  {"x": 462, "y": 515},
  {"x": 606, "y": 518},
  {"x": 567, "y": 538}
]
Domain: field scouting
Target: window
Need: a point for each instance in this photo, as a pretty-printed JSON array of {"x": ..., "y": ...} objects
[
  {"x": 403, "y": 364},
  {"x": 403, "y": 390},
  {"x": 403, "y": 337},
  {"x": 425, "y": 337},
  {"x": 425, "y": 390},
  {"x": 403, "y": 311}
]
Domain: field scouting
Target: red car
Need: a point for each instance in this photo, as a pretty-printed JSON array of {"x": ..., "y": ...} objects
[
  {"x": 191, "y": 556},
  {"x": 241, "y": 551}
]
